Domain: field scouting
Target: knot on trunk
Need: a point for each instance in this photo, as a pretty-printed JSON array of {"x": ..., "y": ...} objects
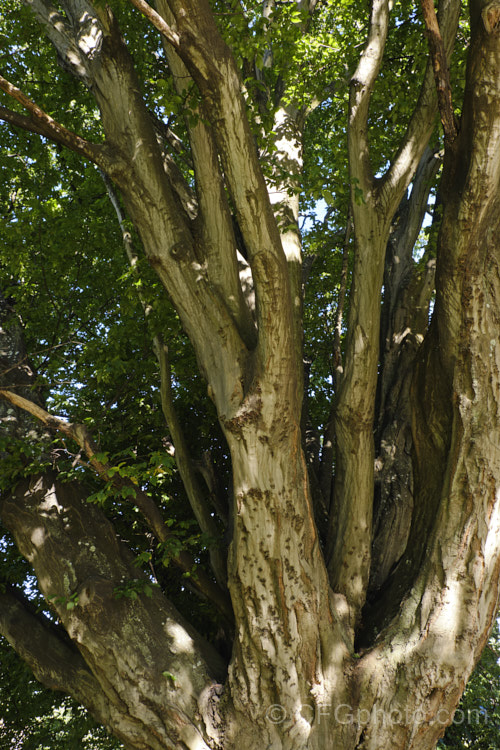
[
  {"x": 491, "y": 17},
  {"x": 210, "y": 710},
  {"x": 179, "y": 251}
]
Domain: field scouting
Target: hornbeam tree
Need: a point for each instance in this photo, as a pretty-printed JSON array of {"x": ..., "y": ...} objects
[{"x": 261, "y": 239}]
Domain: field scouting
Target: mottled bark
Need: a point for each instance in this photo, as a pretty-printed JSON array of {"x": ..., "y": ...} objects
[
  {"x": 300, "y": 676},
  {"x": 75, "y": 553},
  {"x": 52, "y": 656},
  {"x": 352, "y": 507}
]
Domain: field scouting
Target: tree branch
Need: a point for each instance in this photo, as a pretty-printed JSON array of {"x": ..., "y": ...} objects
[
  {"x": 339, "y": 314},
  {"x": 55, "y": 662},
  {"x": 212, "y": 66},
  {"x": 213, "y": 223},
  {"x": 441, "y": 70},
  {"x": 40, "y": 122},
  {"x": 284, "y": 198},
  {"x": 394, "y": 183},
  {"x": 408, "y": 286},
  {"x": 158, "y": 22},
  {"x": 81, "y": 435},
  {"x": 61, "y": 34},
  {"x": 183, "y": 460},
  {"x": 199, "y": 505},
  {"x": 351, "y": 509},
  {"x": 167, "y": 233},
  {"x": 362, "y": 84},
  {"x": 455, "y": 425},
  {"x": 328, "y": 449},
  {"x": 400, "y": 266},
  {"x": 76, "y": 555}
]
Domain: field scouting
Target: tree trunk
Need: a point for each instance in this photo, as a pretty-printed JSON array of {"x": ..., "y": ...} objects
[{"x": 312, "y": 666}]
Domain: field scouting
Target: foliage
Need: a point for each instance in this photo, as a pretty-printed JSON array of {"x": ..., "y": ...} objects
[
  {"x": 477, "y": 720},
  {"x": 35, "y": 718}
]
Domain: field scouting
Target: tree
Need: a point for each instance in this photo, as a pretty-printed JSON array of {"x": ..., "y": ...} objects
[
  {"x": 35, "y": 718},
  {"x": 334, "y": 576},
  {"x": 475, "y": 723}
]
